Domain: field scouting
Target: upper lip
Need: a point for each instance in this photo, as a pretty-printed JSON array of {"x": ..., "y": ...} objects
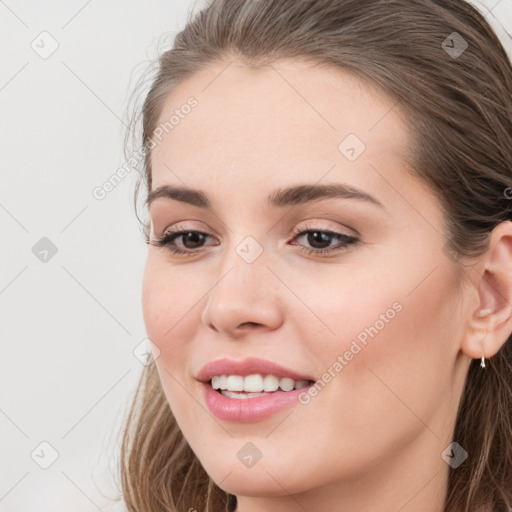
[{"x": 249, "y": 366}]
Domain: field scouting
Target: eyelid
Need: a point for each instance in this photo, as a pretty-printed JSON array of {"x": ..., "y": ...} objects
[
  {"x": 324, "y": 224},
  {"x": 185, "y": 225},
  {"x": 315, "y": 226}
]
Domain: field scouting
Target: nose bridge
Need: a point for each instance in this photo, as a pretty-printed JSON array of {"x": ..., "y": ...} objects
[{"x": 245, "y": 291}]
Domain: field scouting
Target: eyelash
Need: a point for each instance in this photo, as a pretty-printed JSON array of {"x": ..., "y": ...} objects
[{"x": 346, "y": 241}]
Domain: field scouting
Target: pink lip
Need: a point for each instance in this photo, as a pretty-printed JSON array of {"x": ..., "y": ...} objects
[
  {"x": 247, "y": 366},
  {"x": 245, "y": 410},
  {"x": 248, "y": 409}
]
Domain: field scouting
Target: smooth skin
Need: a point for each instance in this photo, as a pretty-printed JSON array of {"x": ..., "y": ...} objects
[{"x": 372, "y": 438}]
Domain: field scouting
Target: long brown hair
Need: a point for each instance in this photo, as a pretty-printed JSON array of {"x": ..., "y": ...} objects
[{"x": 459, "y": 110}]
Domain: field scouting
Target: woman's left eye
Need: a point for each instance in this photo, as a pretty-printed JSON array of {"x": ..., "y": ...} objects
[{"x": 315, "y": 237}]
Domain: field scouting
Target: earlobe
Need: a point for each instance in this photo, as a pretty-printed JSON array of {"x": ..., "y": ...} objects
[{"x": 491, "y": 321}]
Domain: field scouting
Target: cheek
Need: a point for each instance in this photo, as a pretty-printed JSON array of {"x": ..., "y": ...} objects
[
  {"x": 380, "y": 336},
  {"x": 170, "y": 296},
  {"x": 171, "y": 304},
  {"x": 402, "y": 370},
  {"x": 395, "y": 308},
  {"x": 170, "y": 300},
  {"x": 342, "y": 310}
]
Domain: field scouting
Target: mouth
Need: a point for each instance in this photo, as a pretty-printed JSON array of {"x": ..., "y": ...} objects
[{"x": 251, "y": 389}]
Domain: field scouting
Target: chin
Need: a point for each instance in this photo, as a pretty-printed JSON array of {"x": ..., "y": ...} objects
[{"x": 258, "y": 480}]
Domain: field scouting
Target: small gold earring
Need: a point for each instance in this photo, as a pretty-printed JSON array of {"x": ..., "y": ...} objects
[{"x": 484, "y": 312}]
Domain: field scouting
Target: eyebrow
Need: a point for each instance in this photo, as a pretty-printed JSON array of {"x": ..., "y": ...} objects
[{"x": 280, "y": 198}]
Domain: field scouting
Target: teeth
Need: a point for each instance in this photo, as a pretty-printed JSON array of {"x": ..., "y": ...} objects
[
  {"x": 286, "y": 384},
  {"x": 256, "y": 383},
  {"x": 252, "y": 383},
  {"x": 235, "y": 383},
  {"x": 270, "y": 383}
]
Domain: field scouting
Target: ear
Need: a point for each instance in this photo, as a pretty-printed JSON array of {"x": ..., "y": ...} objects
[{"x": 490, "y": 322}]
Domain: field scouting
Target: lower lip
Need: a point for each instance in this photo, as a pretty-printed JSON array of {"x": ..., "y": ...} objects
[{"x": 246, "y": 410}]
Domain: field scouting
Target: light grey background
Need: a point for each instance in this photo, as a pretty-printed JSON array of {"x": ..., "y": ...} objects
[{"x": 70, "y": 324}]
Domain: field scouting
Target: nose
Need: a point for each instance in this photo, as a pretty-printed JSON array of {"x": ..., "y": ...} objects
[{"x": 243, "y": 298}]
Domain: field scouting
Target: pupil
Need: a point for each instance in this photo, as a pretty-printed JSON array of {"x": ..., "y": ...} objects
[
  {"x": 318, "y": 237},
  {"x": 194, "y": 237}
]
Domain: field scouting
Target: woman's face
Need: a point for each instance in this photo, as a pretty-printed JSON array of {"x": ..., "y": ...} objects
[{"x": 369, "y": 320}]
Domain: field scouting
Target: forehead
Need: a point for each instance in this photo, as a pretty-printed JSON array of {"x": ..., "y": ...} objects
[{"x": 274, "y": 124}]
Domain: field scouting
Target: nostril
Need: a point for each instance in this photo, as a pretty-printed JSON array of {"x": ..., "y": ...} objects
[{"x": 250, "y": 324}]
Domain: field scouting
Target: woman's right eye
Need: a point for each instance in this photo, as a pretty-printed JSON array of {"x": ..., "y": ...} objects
[{"x": 167, "y": 240}]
